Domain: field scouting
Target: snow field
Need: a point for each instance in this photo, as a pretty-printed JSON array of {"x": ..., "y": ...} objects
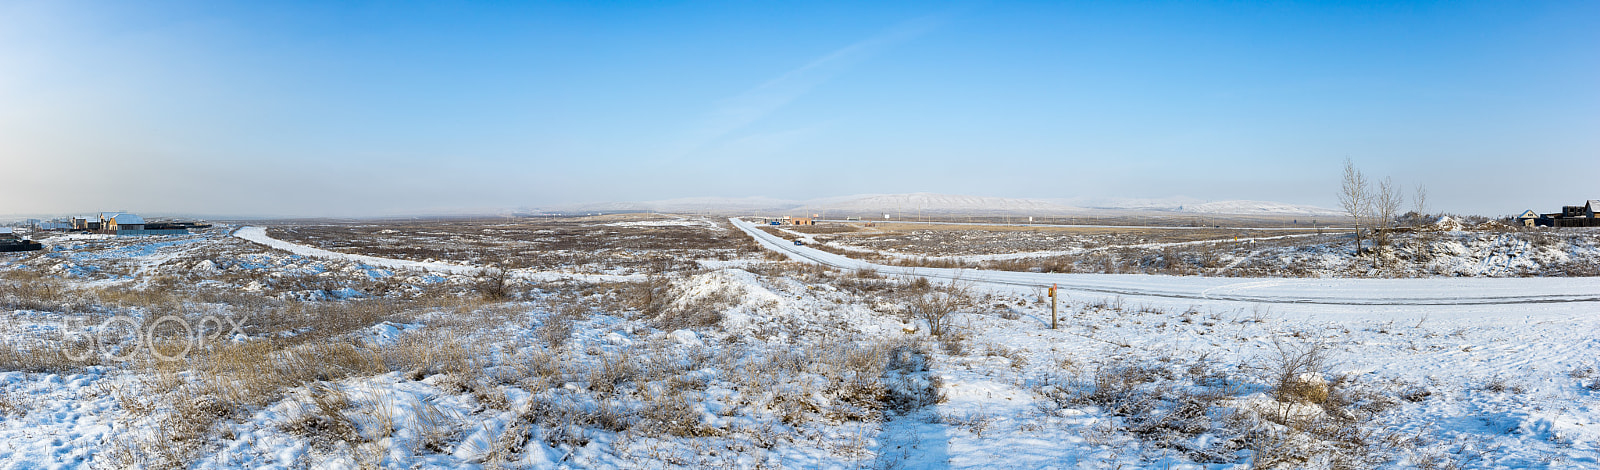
[
  {"x": 762, "y": 364},
  {"x": 1434, "y": 251}
]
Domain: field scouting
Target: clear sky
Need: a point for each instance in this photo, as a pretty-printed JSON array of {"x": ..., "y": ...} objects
[{"x": 384, "y": 108}]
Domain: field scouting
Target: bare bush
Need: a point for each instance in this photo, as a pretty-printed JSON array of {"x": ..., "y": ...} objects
[
  {"x": 936, "y": 306},
  {"x": 496, "y": 281},
  {"x": 1297, "y": 373}
]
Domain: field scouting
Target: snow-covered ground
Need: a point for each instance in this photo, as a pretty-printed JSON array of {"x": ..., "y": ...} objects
[
  {"x": 259, "y": 235},
  {"x": 1445, "y": 248},
  {"x": 1362, "y": 292},
  {"x": 762, "y": 364}
]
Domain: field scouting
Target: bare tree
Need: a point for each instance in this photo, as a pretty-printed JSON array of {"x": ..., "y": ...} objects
[
  {"x": 1419, "y": 202},
  {"x": 1387, "y": 205},
  {"x": 1355, "y": 198}
]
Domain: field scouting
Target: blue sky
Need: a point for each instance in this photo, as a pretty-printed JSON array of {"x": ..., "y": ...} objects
[{"x": 381, "y": 108}]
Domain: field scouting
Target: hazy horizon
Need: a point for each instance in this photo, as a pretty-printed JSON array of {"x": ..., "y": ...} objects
[{"x": 310, "y": 109}]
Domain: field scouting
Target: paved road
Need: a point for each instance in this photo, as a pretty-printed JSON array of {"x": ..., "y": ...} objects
[{"x": 1374, "y": 292}]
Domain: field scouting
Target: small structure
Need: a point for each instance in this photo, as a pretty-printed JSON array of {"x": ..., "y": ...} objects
[
  {"x": 1572, "y": 216},
  {"x": 799, "y": 221},
  {"x": 1528, "y": 217},
  {"x": 10, "y": 242}
]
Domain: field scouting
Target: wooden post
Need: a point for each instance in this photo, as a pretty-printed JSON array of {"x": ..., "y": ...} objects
[{"x": 1052, "y": 306}]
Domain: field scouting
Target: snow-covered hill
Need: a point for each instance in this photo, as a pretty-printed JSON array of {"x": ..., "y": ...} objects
[
  {"x": 1189, "y": 204},
  {"x": 933, "y": 203},
  {"x": 1258, "y": 207},
  {"x": 936, "y": 203}
]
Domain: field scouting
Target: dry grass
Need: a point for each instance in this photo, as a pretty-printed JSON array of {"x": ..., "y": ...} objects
[
  {"x": 676, "y": 305},
  {"x": 11, "y": 404},
  {"x": 55, "y": 354},
  {"x": 583, "y": 243},
  {"x": 1312, "y": 417}
]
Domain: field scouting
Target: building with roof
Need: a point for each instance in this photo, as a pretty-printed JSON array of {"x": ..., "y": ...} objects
[
  {"x": 1572, "y": 216},
  {"x": 1528, "y": 218},
  {"x": 9, "y": 241},
  {"x": 123, "y": 223}
]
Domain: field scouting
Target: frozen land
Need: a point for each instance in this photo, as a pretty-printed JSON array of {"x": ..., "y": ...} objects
[{"x": 650, "y": 341}]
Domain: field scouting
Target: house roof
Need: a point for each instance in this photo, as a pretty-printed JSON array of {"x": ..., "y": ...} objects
[
  {"x": 1594, "y": 204},
  {"x": 1528, "y": 214}
]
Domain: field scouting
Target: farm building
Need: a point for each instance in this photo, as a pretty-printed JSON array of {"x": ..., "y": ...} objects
[
  {"x": 799, "y": 221},
  {"x": 1572, "y": 216}
]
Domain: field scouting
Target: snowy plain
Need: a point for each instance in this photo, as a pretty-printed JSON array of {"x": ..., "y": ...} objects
[{"x": 1492, "y": 370}]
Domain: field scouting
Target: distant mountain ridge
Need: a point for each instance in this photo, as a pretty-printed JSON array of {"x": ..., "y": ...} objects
[{"x": 907, "y": 205}]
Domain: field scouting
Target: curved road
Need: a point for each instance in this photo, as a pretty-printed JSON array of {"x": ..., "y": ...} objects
[{"x": 1339, "y": 291}]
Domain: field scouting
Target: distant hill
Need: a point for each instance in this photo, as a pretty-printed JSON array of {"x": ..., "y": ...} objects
[
  {"x": 931, "y": 203},
  {"x": 1259, "y": 207}
]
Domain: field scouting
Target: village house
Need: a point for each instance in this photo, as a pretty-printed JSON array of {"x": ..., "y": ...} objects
[
  {"x": 85, "y": 223},
  {"x": 1528, "y": 218}
]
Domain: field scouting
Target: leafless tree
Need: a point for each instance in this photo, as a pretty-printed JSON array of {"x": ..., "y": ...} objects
[
  {"x": 1419, "y": 201},
  {"x": 1387, "y": 205},
  {"x": 1355, "y": 197}
]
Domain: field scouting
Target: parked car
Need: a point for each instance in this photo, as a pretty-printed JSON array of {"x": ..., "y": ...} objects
[
  {"x": 774, "y": 223},
  {"x": 799, "y": 243}
]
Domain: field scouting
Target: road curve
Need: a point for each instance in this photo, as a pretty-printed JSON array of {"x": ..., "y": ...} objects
[{"x": 1338, "y": 291}]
